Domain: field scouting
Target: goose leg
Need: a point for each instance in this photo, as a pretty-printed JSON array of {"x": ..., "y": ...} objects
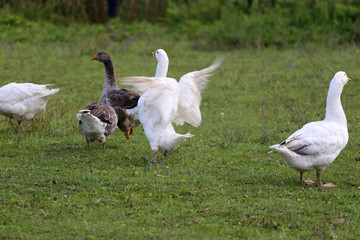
[
  {"x": 88, "y": 144},
  {"x": 154, "y": 163},
  {"x": 18, "y": 125},
  {"x": 131, "y": 131},
  {"x": 104, "y": 145},
  {"x": 305, "y": 181},
  {"x": 319, "y": 183},
  {"x": 24, "y": 123},
  {"x": 163, "y": 158}
]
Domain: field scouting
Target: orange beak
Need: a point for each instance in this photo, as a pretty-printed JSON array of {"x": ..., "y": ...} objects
[
  {"x": 154, "y": 53},
  {"x": 349, "y": 79},
  {"x": 94, "y": 57}
]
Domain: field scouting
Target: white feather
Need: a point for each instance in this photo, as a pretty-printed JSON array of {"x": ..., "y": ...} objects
[
  {"x": 190, "y": 87},
  {"x": 92, "y": 127},
  {"x": 317, "y": 144},
  {"x": 157, "y": 109},
  {"x": 19, "y": 100}
]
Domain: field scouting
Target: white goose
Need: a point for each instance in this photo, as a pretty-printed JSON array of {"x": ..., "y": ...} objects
[
  {"x": 317, "y": 144},
  {"x": 22, "y": 101},
  {"x": 190, "y": 85},
  {"x": 159, "y": 107}
]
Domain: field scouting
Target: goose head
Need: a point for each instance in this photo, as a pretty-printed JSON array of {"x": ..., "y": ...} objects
[
  {"x": 163, "y": 63},
  {"x": 103, "y": 57},
  {"x": 124, "y": 121},
  {"x": 341, "y": 77},
  {"x": 161, "y": 55}
]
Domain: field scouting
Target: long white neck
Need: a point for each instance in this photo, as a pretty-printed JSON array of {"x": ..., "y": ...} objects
[
  {"x": 334, "y": 110},
  {"x": 162, "y": 67}
]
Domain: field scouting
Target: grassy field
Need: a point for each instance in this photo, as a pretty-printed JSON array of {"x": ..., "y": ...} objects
[{"x": 223, "y": 183}]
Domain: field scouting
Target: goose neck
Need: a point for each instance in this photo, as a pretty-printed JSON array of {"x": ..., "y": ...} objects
[
  {"x": 162, "y": 68},
  {"x": 334, "y": 110},
  {"x": 109, "y": 75}
]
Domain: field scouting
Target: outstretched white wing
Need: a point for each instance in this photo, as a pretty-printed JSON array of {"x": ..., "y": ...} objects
[{"x": 191, "y": 86}]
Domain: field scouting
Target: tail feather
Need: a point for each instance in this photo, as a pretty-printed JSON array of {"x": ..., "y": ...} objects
[
  {"x": 49, "y": 94},
  {"x": 188, "y": 135}
]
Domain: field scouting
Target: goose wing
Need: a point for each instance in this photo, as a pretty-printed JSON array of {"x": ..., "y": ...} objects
[
  {"x": 317, "y": 138},
  {"x": 191, "y": 85},
  {"x": 102, "y": 111}
]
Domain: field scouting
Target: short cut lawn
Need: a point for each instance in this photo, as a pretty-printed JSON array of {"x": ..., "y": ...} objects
[{"x": 222, "y": 183}]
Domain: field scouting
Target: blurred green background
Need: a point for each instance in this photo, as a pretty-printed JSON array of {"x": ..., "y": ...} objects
[{"x": 223, "y": 24}]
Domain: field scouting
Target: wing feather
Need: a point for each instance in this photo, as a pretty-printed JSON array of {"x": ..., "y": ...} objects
[
  {"x": 315, "y": 138},
  {"x": 159, "y": 101},
  {"x": 102, "y": 111},
  {"x": 191, "y": 85},
  {"x": 122, "y": 97},
  {"x": 15, "y": 92}
]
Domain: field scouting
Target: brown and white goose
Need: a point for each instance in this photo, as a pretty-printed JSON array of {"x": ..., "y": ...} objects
[
  {"x": 22, "y": 101},
  {"x": 113, "y": 95},
  {"x": 98, "y": 121}
]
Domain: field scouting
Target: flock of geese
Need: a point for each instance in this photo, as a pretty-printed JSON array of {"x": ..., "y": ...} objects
[{"x": 163, "y": 101}]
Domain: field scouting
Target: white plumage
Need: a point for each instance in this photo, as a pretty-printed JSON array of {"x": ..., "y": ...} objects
[
  {"x": 317, "y": 144},
  {"x": 22, "y": 101},
  {"x": 157, "y": 109},
  {"x": 92, "y": 127},
  {"x": 160, "y": 105},
  {"x": 190, "y": 87}
]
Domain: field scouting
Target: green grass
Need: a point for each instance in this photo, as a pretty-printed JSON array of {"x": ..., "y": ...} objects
[{"x": 222, "y": 183}]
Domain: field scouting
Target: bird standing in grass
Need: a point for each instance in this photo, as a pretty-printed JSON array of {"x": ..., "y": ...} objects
[
  {"x": 162, "y": 103},
  {"x": 98, "y": 121},
  {"x": 317, "y": 144},
  {"x": 22, "y": 101},
  {"x": 114, "y": 96}
]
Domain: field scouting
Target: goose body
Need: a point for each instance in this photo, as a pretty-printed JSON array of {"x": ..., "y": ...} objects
[
  {"x": 97, "y": 122},
  {"x": 22, "y": 101},
  {"x": 161, "y": 104},
  {"x": 317, "y": 144},
  {"x": 114, "y": 96},
  {"x": 157, "y": 109},
  {"x": 190, "y": 87}
]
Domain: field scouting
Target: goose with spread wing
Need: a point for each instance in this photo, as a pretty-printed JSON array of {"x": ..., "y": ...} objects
[
  {"x": 22, "y": 101},
  {"x": 317, "y": 144},
  {"x": 190, "y": 85},
  {"x": 159, "y": 106}
]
